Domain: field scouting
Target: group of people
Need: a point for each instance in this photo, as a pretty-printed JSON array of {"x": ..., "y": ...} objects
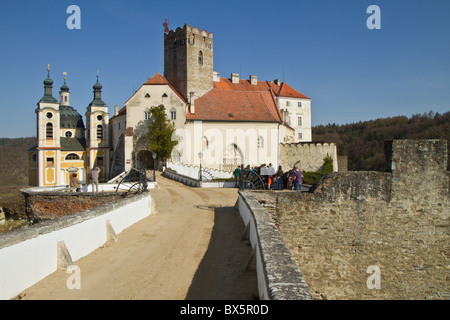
[
  {"x": 75, "y": 181},
  {"x": 272, "y": 179}
]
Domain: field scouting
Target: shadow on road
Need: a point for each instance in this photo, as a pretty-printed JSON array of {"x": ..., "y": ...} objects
[{"x": 221, "y": 274}]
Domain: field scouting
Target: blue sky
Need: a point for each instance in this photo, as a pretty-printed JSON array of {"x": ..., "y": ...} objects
[{"x": 322, "y": 48}]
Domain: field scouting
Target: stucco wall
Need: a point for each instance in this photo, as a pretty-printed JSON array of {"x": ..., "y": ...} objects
[{"x": 309, "y": 156}]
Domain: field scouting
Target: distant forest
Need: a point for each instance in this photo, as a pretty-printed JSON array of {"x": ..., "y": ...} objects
[
  {"x": 363, "y": 142},
  {"x": 14, "y": 161}
]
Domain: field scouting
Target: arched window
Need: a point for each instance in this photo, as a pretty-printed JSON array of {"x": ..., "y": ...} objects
[
  {"x": 260, "y": 142},
  {"x": 173, "y": 114},
  {"x": 100, "y": 132},
  {"x": 175, "y": 156},
  {"x": 49, "y": 131},
  {"x": 200, "y": 58},
  {"x": 72, "y": 156}
]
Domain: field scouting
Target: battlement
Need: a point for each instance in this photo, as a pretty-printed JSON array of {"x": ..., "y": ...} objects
[{"x": 188, "y": 35}]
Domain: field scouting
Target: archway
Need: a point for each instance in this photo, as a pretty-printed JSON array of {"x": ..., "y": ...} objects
[
  {"x": 232, "y": 158},
  {"x": 144, "y": 159}
]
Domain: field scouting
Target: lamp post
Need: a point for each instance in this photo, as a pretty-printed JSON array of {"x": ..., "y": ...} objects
[
  {"x": 154, "y": 164},
  {"x": 200, "y": 155}
]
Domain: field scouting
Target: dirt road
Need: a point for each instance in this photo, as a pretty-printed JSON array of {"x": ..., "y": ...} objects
[{"x": 190, "y": 249}]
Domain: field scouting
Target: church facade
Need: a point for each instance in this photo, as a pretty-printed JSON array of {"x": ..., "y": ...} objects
[
  {"x": 65, "y": 146},
  {"x": 220, "y": 122}
]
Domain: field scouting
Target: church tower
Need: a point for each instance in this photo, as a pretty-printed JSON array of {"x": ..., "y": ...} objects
[
  {"x": 48, "y": 133},
  {"x": 97, "y": 129},
  {"x": 188, "y": 61}
]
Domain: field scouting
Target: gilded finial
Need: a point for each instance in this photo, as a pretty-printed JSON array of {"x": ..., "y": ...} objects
[
  {"x": 64, "y": 74},
  {"x": 48, "y": 70},
  {"x": 97, "y": 76}
]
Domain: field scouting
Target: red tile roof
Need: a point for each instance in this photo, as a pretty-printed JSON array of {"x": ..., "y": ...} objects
[
  {"x": 157, "y": 79},
  {"x": 229, "y": 105}
]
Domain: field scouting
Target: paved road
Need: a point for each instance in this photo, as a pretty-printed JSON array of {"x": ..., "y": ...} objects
[{"x": 191, "y": 249}]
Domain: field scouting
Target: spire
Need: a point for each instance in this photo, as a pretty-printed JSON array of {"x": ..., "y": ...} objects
[
  {"x": 48, "y": 85},
  {"x": 97, "y": 95},
  {"x": 64, "y": 87}
]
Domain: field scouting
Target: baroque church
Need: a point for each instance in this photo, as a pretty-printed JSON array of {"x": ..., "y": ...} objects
[{"x": 220, "y": 122}]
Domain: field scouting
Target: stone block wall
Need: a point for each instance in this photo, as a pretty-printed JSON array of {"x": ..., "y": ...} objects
[
  {"x": 52, "y": 205},
  {"x": 397, "y": 221},
  {"x": 309, "y": 156}
]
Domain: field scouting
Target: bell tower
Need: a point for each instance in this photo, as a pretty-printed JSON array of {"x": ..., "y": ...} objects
[
  {"x": 188, "y": 60},
  {"x": 97, "y": 129}
]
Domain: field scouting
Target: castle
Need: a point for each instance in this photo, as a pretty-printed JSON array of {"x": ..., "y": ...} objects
[{"x": 221, "y": 122}]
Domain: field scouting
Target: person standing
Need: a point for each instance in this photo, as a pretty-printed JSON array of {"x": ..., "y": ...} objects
[
  {"x": 94, "y": 178},
  {"x": 279, "y": 178},
  {"x": 237, "y": 175},
  {"x": 297, "y": 178},
  {"x": 75, "y": 182}
]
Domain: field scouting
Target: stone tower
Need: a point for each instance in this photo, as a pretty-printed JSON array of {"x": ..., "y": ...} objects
[{"x": 188, "y": 61}]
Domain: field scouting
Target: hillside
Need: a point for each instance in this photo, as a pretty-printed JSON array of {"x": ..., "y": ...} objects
[
  {"x": 13, "y": 161},
  {"x": 363, "y": 142}
]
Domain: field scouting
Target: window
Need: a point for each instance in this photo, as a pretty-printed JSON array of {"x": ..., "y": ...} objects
[
  {"x": 99, "y": 132},
  {"x": 65, "y": 99},
  {"x": 49, "y": 115},
  {"x": 100, "y": 161},
  {"x": 50, "y": 162},
  {"x": 200, "y": 58},
  {"x": 72, "y": 156},
  {"x": 288, "y": 103},
  {"x": 175, "y": 156},
  {"x": 300, "y": 121},
  {"x": 260, "y": 142},
  {"x": 173, "y": 114},
  {"x": 147, "y": 115},
  {"x": 49, "y": 131},
  {"x": 147, "y": 95},
  {"x": 99, "y": 117},
  {"x": 68, "y": 134},
  {"x": 300, "y": 135},
  {"x": 299, "y": 104},
  {"x": 118, "y": 126},
  {"x": 34, "y": 157}
]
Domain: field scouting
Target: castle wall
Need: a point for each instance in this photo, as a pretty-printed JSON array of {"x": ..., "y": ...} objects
[
  {"x": 308, "y": 156},
  {"x": 397, "y": 222}
]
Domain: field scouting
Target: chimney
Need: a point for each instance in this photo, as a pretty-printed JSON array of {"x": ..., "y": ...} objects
[
  {"x": 254, "y": 80},
  {"x": 277, "y": 82},
  {"x": 191, "y": 102},
  {"x": 235, "y": 78},
  {"x": 216, "y": 76},
  {"x": 116, "y": 110}
]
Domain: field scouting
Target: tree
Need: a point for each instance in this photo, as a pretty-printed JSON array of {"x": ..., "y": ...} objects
[{"x": 160, "y": 133}]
